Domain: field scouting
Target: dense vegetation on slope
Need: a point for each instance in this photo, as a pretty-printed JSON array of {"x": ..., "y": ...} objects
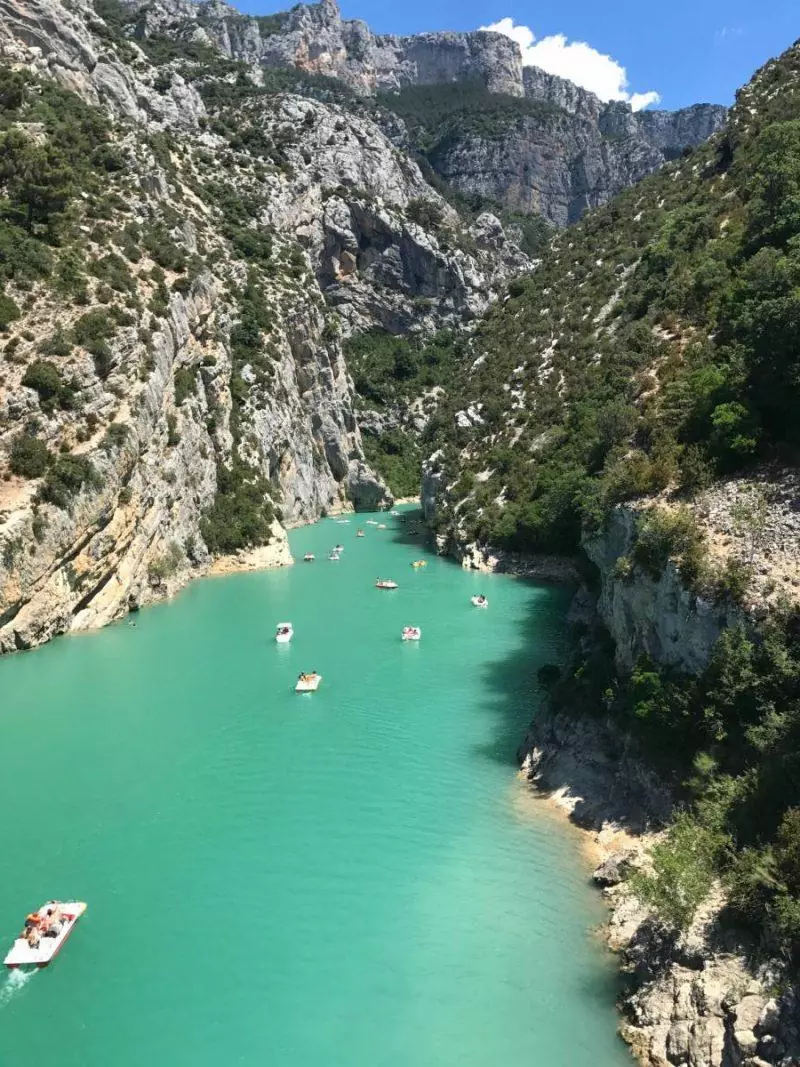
[
  {"x": 398, "y": 379},
  {"x": 729, "y": 743},
  {"x": 653, "y": 348},
  {"x": 654, "y": 351}
]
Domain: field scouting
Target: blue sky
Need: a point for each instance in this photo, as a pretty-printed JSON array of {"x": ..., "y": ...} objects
[{"x": 685, "y": 50}]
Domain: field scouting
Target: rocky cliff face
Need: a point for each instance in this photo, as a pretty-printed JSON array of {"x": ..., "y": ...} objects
[
  {"x": 172, "y": 385},
  {"x": 316, "y": 39},
  {"x": 656, "y": 617},
  {"x": 577, "y": 155}
]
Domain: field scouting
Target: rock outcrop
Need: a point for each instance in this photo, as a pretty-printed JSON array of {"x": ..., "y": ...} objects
[
  {"x": 314, "y": 38},
  {"x": 655, "y": 617},
  {"x": 575, "y": 154}
]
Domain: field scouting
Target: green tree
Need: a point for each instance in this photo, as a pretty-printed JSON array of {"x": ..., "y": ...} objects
[{"x": 38, "y": 177}]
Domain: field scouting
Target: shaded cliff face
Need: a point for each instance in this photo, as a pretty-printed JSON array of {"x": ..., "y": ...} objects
[
  {"x": 577, "y": 155},
  {"x": 172, "y": 384}
]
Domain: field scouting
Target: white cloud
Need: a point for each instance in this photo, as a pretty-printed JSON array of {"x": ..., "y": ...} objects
[{"x": 576, "y": 61}]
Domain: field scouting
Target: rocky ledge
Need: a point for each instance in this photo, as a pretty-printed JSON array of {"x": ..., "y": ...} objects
[{"x": 693, "y": 1000}]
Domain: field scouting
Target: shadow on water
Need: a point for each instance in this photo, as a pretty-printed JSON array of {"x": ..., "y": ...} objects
[
  {"x": 516, "y": 693},
  {"x": 513, "y": 679},
  {"x": 412, "y": 531}
]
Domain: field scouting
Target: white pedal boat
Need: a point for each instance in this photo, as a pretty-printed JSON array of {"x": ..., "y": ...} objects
[
  {"x": 372, "y": 522},
  {"x": 385, "y": 583},
  {"x": 381, "y": 525},
  {"x": 309, "y": 557},
  {"x": 334, "y": 557},
  {"x": 308, "y": 683},
  {"x": 284, "y": 632},
  {"x": 23, "y": 955},
  {"x": 479, "y": 601},
  {"x": 411, "y": 633}
]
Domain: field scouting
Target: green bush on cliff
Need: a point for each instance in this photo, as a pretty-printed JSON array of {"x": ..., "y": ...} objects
[
  {"x": 684, "y": 866},
  {"x": 65, "y": 478},
  {"x": 728, "y": 743},
  {"x": 44, "y": 377},
  {"x": 242, "y": 512},
  {"x": 29, "y": 456}
]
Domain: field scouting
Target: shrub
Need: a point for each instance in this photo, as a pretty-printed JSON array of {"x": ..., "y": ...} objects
[
  {"x": 115, "y": 436},
  {"x": 663, "y": 535},
  {"x": 426, "y": 213},
  {"x": 29, "y": 456},
  {"x": 65, "y": 478},
  {"x": 57, "y": 344},
  {"x": 185, "y": 383},
  {"x": 241, "y": 513},
  {"x": 165, "y": 565},
  {"x": 9, "y": 311},
  {"x": 683, "y": 870},
  {"x": 93, "y": 330},
  {"x": 44, "y": 377}
]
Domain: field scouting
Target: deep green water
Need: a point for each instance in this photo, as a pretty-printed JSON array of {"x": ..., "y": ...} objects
[{"x": 352, "y": 879}]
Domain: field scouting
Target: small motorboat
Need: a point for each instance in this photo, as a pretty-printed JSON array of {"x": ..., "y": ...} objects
[
  {"x": 308, "y": 683},
  {"x": 480, "y": 601},
  {"x": 411, "y": 633},
  {"x": 334, "y": 556},
  {"x": 381, "y": 525},
  {"x": 372, "y": 522},
  {"x": 359, "y": 533},
  {"x": 385, "y": 583},
  {"x": 394, "y": 512},
  {"x": 419, "y": 563},
  {"x": 343, "y": 522},
  {"x": 46, "y": 930},
  {"x": 284, "y": 632},
  {"x": 309, "y": 557}
]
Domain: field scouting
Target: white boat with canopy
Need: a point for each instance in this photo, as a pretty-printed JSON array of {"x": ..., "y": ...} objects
[
  {"x": 411, "y": 633},
  {"x": 479, "y": 601},
  {"x": 284, "y": 632}
]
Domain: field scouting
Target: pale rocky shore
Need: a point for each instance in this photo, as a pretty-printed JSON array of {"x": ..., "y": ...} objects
[{"x": 694, "y": 1000}]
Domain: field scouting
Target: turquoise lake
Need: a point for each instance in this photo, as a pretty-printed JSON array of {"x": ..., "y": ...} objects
[{"x": 354, "y": 878}]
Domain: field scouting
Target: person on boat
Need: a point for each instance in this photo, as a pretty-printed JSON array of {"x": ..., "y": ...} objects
[
  {"x": 33, "y": 937},
  {"x": 50, "y": 925}
]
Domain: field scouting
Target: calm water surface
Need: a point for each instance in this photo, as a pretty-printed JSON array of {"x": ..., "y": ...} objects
[{"x": 353, "y": 878}]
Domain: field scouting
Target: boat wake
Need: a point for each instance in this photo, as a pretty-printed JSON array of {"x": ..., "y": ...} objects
[{"x": 15, "y": 981}]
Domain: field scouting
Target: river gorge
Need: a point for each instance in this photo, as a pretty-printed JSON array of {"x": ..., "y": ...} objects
[{"x": 358, "y": 876}]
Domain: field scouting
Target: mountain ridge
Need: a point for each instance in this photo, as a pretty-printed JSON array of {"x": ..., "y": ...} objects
[{"x": 595, "y": 151}]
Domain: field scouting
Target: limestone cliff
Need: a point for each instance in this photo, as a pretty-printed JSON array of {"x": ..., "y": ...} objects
[
  {"x": 172, "y": 385},
  {"x": 575, "y": 154}
]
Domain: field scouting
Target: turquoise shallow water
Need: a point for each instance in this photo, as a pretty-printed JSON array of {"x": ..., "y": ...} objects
[{"x": 351, "y": 878}]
